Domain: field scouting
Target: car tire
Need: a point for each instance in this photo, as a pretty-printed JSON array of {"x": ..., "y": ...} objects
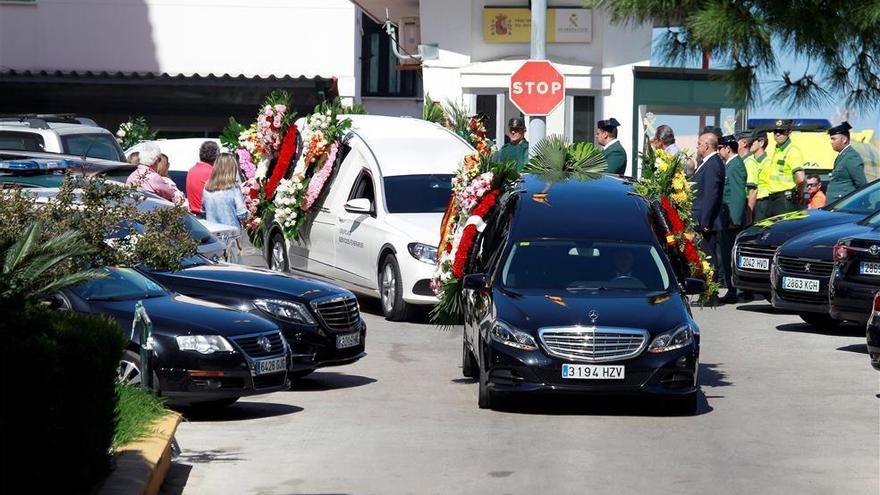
[
  {"x": 276, "y": 253},
  {"x": 129, "y": 370},
  {"x": 684, "y": 405},
  {"x": 213, "y": 405},
  {"x": 469, "y": 368},
  {"x": 819, "y": 320},
  {"x": 391, "y": 290},
  {"x": 485, "y": 397}
]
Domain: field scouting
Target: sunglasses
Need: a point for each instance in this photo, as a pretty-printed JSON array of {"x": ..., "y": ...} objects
[
  {"x": 779, "y": 131},
  {"x": 812, "y": 184}
]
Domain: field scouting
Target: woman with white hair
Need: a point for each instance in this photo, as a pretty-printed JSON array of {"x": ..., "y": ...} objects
[{"x": 146, "y": 178}]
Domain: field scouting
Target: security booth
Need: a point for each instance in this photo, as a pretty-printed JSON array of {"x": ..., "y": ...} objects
[{"x": 688, "y": 100}]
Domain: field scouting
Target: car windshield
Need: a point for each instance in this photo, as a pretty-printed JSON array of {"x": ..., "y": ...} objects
[
  {"x": 119, "y": 284},
  {"x": 862, "y": 202},
  {"x": 97, "y": 145},
  {"x": 577, "y": 265},
  {"x": 418, "y": 193}
]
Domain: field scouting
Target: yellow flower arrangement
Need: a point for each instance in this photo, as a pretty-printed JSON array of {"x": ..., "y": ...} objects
[{"x": 679, "y": 183}]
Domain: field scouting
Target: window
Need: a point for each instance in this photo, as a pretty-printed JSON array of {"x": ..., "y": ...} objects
[
  {"x": 380, "y": 71},
  {"x": 92, "y": 145},
  {"x": 418, "y": 193},
  {"x": 363, "y": 188},
  {"x": 488, "y": 106},
  {"x": 21, "y": 141},
  {"x": 861, "y": 202},
  {"x": 119, "y": 284},
  {"x": 583, "y": 119}
]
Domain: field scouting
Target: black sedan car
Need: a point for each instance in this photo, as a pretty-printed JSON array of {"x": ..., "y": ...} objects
[
  {"x": 322, "y": 322},
  {"x": 756, "y": 245},
  {"x": 202, "y": 353},
  {"x": 559, "y": 304},
  {"x": 802, "y": 269},
  {"x": 856, "y": 276}
]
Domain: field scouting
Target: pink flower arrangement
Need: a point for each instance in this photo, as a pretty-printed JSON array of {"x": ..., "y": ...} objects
[
  {"x": 269, "y": 123},
  {"x": 469, "y": 197},
  {"x": 245, "y": 162},
  {"x": 316, "y": 185}
]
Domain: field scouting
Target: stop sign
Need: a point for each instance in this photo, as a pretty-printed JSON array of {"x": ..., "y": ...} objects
[{"x": 536, "y": 88}]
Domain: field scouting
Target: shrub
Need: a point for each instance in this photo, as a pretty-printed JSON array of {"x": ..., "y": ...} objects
[
  {"x": 136, "y": 408},
  {"x": 60, "y": 371}
]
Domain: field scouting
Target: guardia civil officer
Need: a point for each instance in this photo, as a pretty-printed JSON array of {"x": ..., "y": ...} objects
[
  {"x": 783, "y": 176},
  {"x": 849, "y": 167},
  {"x": 733, "y": 209},
  {"x": 517, "y": 150},
  {"x": 615, "y": 155},
  {"x": 754, "y": 164}
]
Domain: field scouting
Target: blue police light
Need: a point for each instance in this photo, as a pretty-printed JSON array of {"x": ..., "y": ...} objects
[
  {"x": 797, "y": 124},
  {"x": 34, "y": 165}
]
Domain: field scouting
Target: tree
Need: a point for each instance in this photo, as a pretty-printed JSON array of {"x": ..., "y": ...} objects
[{"x": 839, "y": 38}]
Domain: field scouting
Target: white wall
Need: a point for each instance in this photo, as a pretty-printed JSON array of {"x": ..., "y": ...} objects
[{"x": 252, "y": 37}]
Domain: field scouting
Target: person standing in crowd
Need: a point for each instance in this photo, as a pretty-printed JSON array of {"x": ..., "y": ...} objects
[
  {"x": 754, "y": 164},
  {"x": 744, "y": 140},
  {"x": 709, "y": 182},
  {"x": 198, "y": 176},
  {"x": 162, "y": 170},
  {"x": 814, "y": 191},
  {"x": 615, "y": 155},
  {"x": 145, "y": 177},
  {"x": 517, "y": 150},
  {"x": 849, "y": 167},
  {"x": 782, "y": 177},
  {"x": 222, "y": 199},
  {"x": 733, "y": 209},
  {"x": 664, "y": 138}
]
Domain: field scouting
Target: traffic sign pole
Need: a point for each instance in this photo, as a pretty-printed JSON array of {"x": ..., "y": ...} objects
[{"x": 538, "y": 51}]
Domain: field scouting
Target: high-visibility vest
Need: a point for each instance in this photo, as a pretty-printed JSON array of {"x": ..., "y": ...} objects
[
  {"x": 784, "y": 163},
  {"x": 762, "y": 174}
]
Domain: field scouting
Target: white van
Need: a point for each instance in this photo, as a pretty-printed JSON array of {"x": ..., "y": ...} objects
[{"x": 376, "y": 230}]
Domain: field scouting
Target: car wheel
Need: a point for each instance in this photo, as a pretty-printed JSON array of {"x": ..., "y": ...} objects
[
  {"x": 276, "y": 255},
  {"x": 485, "y": 397},
  {"x": 819, "y": 320},
  {"x": 212, "y": 405},
  {"x": 685, "y": 405},
  {"x": 468, "y": 363},
  {"x": 129, "y": 371},
  {"x": 391, "y": 290}
]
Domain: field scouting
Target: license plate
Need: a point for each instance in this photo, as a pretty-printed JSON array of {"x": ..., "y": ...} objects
[
  {"x": 753, "y": 263},
  {"x": 348, "y": 340},
  {"x": 270, "y": 366},
  {"x": 800, "y": 284},
  {"x": 868, "y": 268},
  {"x": 592, "y": 372}
]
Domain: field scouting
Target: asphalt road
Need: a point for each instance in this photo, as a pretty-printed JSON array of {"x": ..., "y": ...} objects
[{"x": 784, "y": 409}]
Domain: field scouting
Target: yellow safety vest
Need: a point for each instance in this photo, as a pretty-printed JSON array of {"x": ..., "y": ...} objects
[
  {"x": 761, "y": 176},
  {"x": 786, "y": 160}
]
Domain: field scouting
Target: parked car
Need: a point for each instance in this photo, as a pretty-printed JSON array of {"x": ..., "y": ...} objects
[
  {"x": 756, "y": 245},
  {"x": 376, "y": 230},
  {"x": 201, "y": 353},
  {"x": 873, "y": 334},
  {"x": 321, "y": 322},
  {"x": 856, "y": 276},
  {"x": 557, "y": 304},
  {"x": 182, "y": 155},
  {"x": 34, "y": 169},
  {"x": 58, "y": 133}
]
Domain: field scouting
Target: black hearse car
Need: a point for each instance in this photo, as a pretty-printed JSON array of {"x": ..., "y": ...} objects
[
  {"x": 202, "y": 353},
  {"x": 856, "y": 276},
  {"x": 321, "y": 322},
  {"x": 573, "y": 292},
  {"x": 756, "y": 245}
]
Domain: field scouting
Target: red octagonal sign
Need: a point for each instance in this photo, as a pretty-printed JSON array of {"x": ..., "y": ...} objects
[{"x": 536, "y": 88}]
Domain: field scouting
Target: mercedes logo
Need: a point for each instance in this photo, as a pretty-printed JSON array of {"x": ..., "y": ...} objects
[
  {"x": 594, "y": 315},
  {"x": 874, "y": 249},
  {"x": 265, "y": 344}
]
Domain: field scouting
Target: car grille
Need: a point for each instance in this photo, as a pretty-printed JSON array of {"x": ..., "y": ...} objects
[
  {"x": 754, "y": 251},
  {"x": 592, "y": 344},
  {"x": 250, "y": 344},
  {"x": 270, "y": 380},
  {"x": 820, "y": 298},
  {"x": 806, "y": 266},
  {"x": 339, "y": 314}
]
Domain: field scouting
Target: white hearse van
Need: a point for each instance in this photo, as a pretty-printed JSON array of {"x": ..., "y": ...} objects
[{"x": 376, "y": 230}]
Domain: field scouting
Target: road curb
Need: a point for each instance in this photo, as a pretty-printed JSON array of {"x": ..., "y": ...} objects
[{"x": 140, "y": 466}]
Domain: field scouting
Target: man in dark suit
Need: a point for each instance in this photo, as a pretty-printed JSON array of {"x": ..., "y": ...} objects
[
  {"x": 849, "y": 167},
  {"x": 708, "y": 180},
  {"x": 615, "y": 155}
]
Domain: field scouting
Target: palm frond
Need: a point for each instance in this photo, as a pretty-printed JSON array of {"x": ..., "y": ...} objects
[
  {"x": 68, "y": 281},
  {"x": 555, "y": 160},
  {"x": 432, "y": 111},
  {"x": 586, "y": 161},
  {"x": 457, "y": 114},
  {"x": 21, "y": 248}
]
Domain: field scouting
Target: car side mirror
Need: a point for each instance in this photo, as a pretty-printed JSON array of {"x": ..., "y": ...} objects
[
  {"x": 694, "y": 286},
  {"x": 474, "y": 281},
  {"x": 359, "y": 205}
]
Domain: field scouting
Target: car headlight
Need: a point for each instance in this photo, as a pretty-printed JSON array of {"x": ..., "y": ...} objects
[
  {"x": 682, "y": 336},
  {"x": 423, "y": 252},
  {"x": 286, "y": 310},
  {"x": 507, "y": 335},
  {"x": 203, "y": 344}
]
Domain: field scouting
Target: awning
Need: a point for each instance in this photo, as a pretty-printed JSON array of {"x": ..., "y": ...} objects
[{"x": 496, "y": 74}]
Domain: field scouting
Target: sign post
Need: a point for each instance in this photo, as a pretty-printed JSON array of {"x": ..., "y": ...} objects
[{"x": 538, "y": 51}]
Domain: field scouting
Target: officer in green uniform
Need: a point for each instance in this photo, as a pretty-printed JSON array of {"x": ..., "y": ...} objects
[
  {"x": 733, "y": 208},
  {"x": 517, "y": 150},
  {"x": 849, "y": 167},
  {"x": 781, "y": 180},
  {"x": 744, "y": 140},
  {"x": 615, "y": 155}
]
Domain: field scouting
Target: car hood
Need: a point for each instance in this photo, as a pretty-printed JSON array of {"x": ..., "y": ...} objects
[
  {"x": 181, "y": 315},
  {"x": 419, "y": 227},
  {"x": 777, "y": 230},
  {"x": 656, "y": 312},
  {"x": 819, "y": 244},
  {"x": 245, "y": 281}
]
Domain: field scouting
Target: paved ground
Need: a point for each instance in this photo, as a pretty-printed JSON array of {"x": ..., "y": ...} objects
[{"x": 785, "y": 409}]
